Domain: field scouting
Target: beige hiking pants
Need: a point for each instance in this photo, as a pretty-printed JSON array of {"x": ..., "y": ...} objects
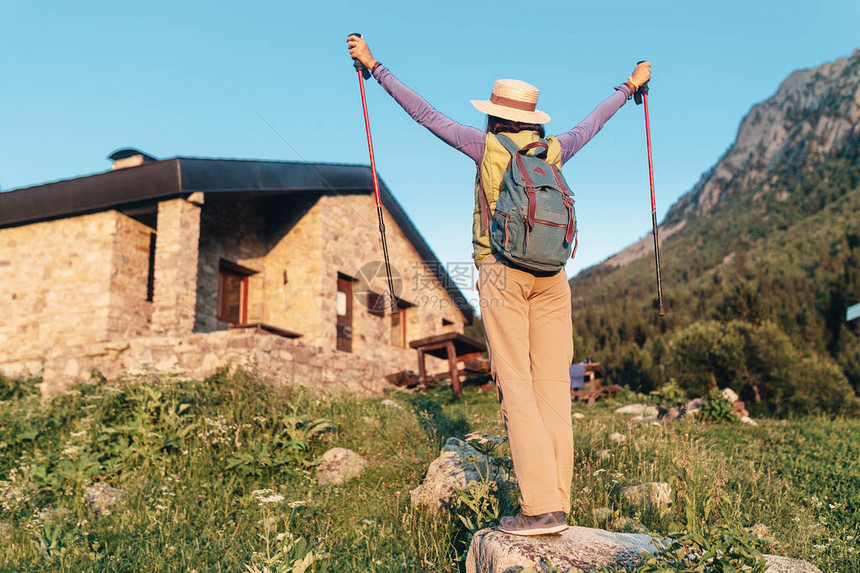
[{"x": 530, "y": 339}]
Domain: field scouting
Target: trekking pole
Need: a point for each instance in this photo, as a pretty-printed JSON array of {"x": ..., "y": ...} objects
[
  {"x": 640, "y": 97},
  {"x": 363, "y": 74}
]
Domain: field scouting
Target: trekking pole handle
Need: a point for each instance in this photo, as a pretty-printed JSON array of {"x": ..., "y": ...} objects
[
  {"x": 359, "y": 67},
  {"x": 643, "y": 89}
]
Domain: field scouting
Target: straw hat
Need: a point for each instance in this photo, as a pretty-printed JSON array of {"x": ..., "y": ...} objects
[{"x": 513, "y": 99}]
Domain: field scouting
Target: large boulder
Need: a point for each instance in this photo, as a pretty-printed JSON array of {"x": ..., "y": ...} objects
[
  {"x": 492, "y": 551},
  {"x": 457, "y": 464},
  {"x": 340, "y": 465},
  {"x": 584, "y": 548}
]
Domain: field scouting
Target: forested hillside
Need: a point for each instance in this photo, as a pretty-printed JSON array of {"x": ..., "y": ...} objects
[{"x": 760, "y": 262}]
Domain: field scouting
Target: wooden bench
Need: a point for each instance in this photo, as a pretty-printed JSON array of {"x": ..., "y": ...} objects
[{"x": 456, "y": 348}]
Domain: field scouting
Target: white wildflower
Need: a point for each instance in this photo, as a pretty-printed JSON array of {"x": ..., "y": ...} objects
[{"x": 70, "y": 452}]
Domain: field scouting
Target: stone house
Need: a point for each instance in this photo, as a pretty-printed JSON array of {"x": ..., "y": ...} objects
[{"x": 194, "y": 264}]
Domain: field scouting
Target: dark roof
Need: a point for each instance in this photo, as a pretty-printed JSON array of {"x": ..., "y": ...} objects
[{"x": 181, "y": 176}]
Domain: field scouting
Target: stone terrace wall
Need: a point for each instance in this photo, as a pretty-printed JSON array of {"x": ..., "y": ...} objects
[
  {"x": 281, "y": 361},
  {"x": 55, "y": 283}
]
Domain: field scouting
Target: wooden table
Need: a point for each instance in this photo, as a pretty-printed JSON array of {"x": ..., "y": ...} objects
[
  {"x": 595, "y": 385},
  {"x": 455, "y": 347}
]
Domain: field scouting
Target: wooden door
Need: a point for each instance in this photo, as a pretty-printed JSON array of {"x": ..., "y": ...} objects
[{"x": 232, "y": 297}]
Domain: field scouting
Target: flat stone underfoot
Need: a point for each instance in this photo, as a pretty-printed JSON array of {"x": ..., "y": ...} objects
[{"x": 493, "y": 551}]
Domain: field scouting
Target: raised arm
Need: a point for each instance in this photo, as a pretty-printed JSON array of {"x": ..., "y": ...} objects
[
  {"x": 464, "y": 138},
  {"x": 574, "y": 140}
]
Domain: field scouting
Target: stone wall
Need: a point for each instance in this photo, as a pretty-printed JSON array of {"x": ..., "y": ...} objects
[
  {"x": 351, "y": 223},
  {"x": 293, "y": 280},
  {"x": 281, "y": 361},
  {"x": 233, "y": 231},
  {"x": 175, "y": 301},
  {"x": 55, "y": 283},
  {"x": 130, "y": 313},
  {"x": 299, "y": 244},
  {"x": 74, "y": 290}
]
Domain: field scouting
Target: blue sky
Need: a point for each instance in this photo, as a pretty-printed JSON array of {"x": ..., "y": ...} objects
[{"x": 81, "y": 79}]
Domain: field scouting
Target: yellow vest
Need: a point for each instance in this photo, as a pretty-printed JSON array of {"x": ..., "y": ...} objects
[{"x": 488, "y": 184}]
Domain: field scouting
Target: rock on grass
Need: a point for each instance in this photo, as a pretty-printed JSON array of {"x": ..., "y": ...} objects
[
  {"x": 340, "y": 465},
  {"x": 101, "y": 496},
  {"x": 457, "y": 464}
]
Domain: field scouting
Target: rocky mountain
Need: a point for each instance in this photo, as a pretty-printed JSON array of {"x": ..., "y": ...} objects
[
  {"x": 761, "y": 256},
  {"x": 813, "y": 113}
]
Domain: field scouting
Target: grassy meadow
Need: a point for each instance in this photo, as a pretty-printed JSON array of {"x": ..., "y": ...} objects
[{"x": 218, "y": 475}]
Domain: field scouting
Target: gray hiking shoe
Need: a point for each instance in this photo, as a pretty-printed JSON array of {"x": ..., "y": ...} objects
[{"x": 542, "y": 524}]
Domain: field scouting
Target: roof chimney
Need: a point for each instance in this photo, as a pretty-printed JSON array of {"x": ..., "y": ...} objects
[{"x": 129, "y": 157}]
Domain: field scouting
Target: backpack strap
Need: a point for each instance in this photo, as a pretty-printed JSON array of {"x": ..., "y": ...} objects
[
  {"x": 483, "y": 204},
  {"x": 483, "y": 201},
  {"x": 530, "y": 188},
  {"x": 542, "y": 145},
  {"x": 507, "y": 143},
  {"x": 513, "y": 148},
  {"x": 558, "y": 179}
]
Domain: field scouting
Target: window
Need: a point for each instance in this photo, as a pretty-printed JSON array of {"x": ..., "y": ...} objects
[
  {"x": 343, "y": 307},
  {"x": 376, "y": 304},
  {"x": 233, "y": 292}
]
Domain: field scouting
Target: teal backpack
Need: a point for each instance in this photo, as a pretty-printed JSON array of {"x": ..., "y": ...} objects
[{"x": 534, "y": 225}]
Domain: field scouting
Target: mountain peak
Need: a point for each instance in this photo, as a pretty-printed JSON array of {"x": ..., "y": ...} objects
[{"x": 813, "y": 112}]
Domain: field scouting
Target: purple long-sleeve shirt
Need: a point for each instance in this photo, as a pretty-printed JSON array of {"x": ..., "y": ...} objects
[{"x": 471, "y": 140}]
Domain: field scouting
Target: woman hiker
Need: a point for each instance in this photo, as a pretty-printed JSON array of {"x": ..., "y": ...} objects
[{"x": 526, "y": 314}]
